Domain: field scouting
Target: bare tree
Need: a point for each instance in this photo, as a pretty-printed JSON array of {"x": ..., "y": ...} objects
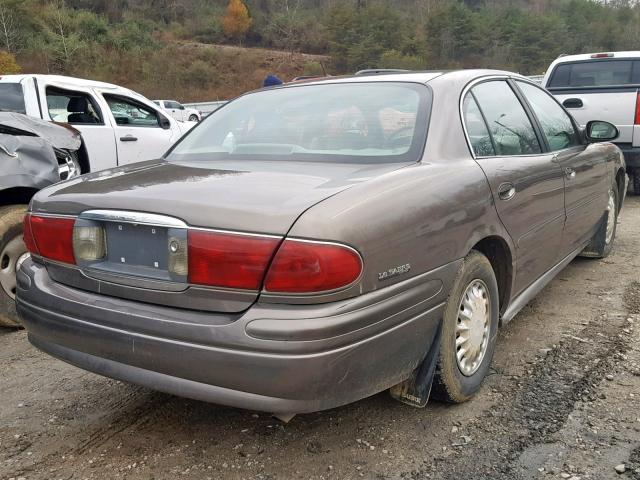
[
  {"x": 284, "y": 22},
  {"x": 67, "y": 41},
  {"x": 8, "y": 30}
]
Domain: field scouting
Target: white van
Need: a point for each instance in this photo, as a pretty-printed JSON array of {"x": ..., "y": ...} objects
[
  {"x": 605, "y": 86},
  {"x": 118, "y": 126}
]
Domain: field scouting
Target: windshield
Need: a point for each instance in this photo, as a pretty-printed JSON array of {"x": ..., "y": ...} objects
[
  {"x": 346, "y": 122},
  {"x": 11, "y": 98}
]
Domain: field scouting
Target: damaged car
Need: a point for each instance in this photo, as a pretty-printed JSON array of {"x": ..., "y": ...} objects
[
  {"x": 33, "y": 154},
  {"x": 312, "y": 244}
]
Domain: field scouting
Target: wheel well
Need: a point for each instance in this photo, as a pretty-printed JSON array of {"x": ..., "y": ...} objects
[
  {"x": 497, "y": 252},
  {"x": 16, "y": 195},
  {"x": 620, "y": 181}
]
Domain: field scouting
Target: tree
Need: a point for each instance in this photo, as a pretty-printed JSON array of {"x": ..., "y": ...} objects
[
  {"x": 8, "y": 64},
  {"x": 236, "y": 20},
  {"x": 8, "y": 31}
]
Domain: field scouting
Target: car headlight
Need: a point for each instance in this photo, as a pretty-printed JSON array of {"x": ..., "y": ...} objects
[{"x": 68, "y": 165}]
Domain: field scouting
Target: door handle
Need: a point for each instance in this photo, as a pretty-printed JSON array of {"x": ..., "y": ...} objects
[
  {"x": 570, "y": 173},
  {"x": 506, "y": 191},
  {"x": 129, "y": 138},
  {"x": 573, "y": 103}
]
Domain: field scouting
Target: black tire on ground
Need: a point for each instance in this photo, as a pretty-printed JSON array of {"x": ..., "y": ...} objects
[
  {"x": 635, "y": 180},
  {"x": 450, "y": 384},
  {"x": 10, "y": 236},
  {"x": 194, "y": 118},
  {"x": 601, "y": 246}
]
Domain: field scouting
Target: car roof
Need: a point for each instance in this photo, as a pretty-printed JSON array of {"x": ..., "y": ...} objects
[
  {"x": 71, "y": 81},
  {"x": 413, "y": 76}
]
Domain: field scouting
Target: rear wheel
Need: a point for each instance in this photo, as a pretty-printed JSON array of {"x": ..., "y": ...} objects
[
  {"x": 193, "y": 118},
  {"x": 12, "y": 252},
  {"x": 602, "y": 242},
  {"x": 469, "y": 329}
]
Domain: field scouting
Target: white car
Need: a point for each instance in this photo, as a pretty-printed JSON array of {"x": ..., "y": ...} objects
[
  {"x": 604, "y": 86},
  {"x": 118, "y": 125},
  {"x": 179, "y": 111}
]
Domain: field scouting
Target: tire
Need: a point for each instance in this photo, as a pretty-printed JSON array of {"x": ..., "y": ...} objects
[
  {"x": 601, "y": 244},
  {"x": 11, "y": 249},
  {"x": 635, "y": 179},
  {"x": 457, "y": 381},
  {"x": 194, "y": 118}
]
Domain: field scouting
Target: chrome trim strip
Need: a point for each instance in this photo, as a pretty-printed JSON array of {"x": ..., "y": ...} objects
[
  {"x": 234, "y": 232},
  {"x": 140, "y": 218},
  {"x": 51, "y": 215}
]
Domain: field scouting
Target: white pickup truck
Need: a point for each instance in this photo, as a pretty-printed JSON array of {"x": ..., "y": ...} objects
[
  {"x": 118, "y": 126},
  {"x": 179, "y": 111},
  {"x": 604, "y": 86}
]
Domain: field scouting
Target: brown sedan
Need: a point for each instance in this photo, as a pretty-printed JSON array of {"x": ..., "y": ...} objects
[{"x": 309, "y": 245}]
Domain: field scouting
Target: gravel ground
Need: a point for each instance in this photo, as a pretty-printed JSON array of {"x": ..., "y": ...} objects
[{"x": 562, "y": 401}]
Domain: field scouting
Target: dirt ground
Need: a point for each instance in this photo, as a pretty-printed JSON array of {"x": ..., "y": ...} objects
[{"x": 562, "y": 401}]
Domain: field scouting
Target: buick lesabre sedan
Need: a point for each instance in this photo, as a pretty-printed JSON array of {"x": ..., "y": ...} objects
[{"x": 309, "y": 245}]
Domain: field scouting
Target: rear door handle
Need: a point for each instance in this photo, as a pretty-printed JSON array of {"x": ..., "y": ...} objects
[
  {"x": 573, "y": 103},
  {"x": 506, "y": 191},
  {"x": 129, "y": 138}
]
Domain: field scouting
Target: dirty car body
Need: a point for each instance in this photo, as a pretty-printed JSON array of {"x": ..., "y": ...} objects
[{"x": 298, "y": 250}]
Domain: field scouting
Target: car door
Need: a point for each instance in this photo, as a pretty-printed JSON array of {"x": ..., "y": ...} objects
[
  {"x": 526, "y": 182},
  {"x": 141, "y": 132},
  {"x": 586, "y": 175},
  {"x": 83, "y": 109}
]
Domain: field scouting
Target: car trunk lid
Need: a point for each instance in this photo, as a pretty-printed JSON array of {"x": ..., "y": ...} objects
[{"x": 158, "y": 202}]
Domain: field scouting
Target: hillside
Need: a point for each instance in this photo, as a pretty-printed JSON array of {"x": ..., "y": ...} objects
[{"x": 204, "y": 49}]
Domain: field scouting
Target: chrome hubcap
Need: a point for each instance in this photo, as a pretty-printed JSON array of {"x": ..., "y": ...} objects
[
  {"x": 11, "y": 257},
  {"x": 472, "y": 328},
  {"x": 611, "y": 217}
]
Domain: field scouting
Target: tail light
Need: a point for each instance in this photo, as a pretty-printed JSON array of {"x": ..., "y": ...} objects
[
  {"x": 229, "y": 260},
  {"x": 302, "y": 266},
  {"x": 50, "y": 237},
  {"x": 636, "y": 121},
  {"x": 89, "y": 242}
]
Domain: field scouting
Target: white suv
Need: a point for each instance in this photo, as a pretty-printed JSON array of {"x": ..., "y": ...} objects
[
  {"x": 179, "y": 111},
  {"x": 118, "y": 125},
  {"x": 604, "y": 86}
]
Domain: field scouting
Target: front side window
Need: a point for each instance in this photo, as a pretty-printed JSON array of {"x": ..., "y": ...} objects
[
  {"x": 128, "y": 112},
  {"x": 556, "y": 124},
  {"x": 508, "y": 123},
  {"x": 12, "y": 98},
  {"x": 76, "y": 108},
  {"x": 346, "y": 122},
  {"x": 476, "y": 128}
]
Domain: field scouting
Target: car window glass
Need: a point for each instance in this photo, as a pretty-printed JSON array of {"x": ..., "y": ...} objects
[
  {"x": 556, "y": 124},
  {"x": 506, "y": 118},
  {"x": 76, "y": 108},
  {"x": 357, "y": 122},
  {"x": 595, "y": 73},
  {"x": 12, "y": 98},
  {"x": 131, "y": 113},
  {"x": 476, "y": 128}
]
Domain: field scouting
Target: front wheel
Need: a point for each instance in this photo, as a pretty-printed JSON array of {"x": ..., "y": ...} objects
[
  {"x": 601, "y": 244},
  {"x": 469, "y": 328},
  {"x": 12, "y": 252}
]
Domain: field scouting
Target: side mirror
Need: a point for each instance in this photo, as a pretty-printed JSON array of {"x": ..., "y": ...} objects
[
  {"x": 601, "y": 131},
  {"x": 164, "y": 122}
]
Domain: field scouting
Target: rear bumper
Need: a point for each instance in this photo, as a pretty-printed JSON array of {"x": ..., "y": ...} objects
[
  {"x": 276, "y": 358},
  {"x": 631, "y": 154}
]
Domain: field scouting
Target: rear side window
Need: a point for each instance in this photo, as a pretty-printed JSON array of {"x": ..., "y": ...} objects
[
  {"x": 556, "y": 124},
  {"x": 596, "y": 73},
  {"x": 77, "y": 108},
  {"x": 476, "y": 128},
  {"x": 508, "y": 123},
  {"x": 12, "y": 98}
]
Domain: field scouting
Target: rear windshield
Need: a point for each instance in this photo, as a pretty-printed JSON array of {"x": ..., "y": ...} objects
[
  {"x": 596, "y": 73},
  {"x": 11, "y": 98},
  {"x": 347, "y": 122}
]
